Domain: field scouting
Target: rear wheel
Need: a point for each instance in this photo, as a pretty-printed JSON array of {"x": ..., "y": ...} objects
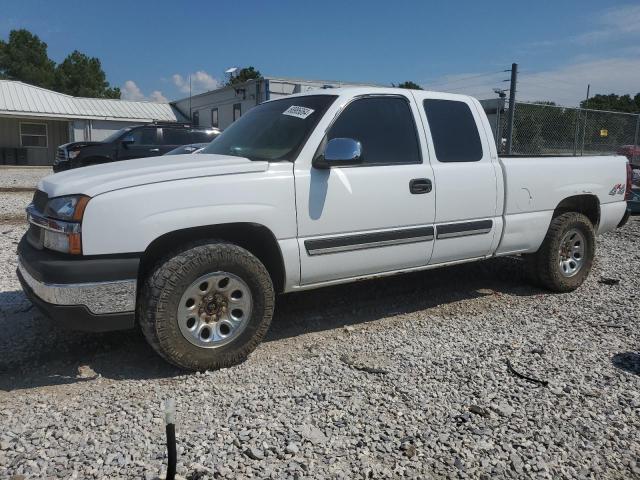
[
  {"x": 566, "y": 255},
  {"x": 206, "y": 306}
]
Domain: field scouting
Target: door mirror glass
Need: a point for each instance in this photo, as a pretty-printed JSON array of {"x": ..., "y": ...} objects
[
  {"x": 340, "y": 152},
  {"x": 128, "y": 140}
]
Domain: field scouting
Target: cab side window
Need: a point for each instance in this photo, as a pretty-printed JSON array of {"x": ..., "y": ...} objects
[
  {"x": 175, "y": 136},
  {"x": 145, "y": 136},
  {"x": 385, "y": 128},
  {"x": 202, "y": 136},
  {"x": 453, "y": 130}
]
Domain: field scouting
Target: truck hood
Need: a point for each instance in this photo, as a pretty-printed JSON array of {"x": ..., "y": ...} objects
[
  {"x": 106, "y": 177},
  {"x": 76, "y": 145}
]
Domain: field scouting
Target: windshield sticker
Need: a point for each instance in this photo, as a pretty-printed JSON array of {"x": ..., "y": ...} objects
[{"x": 300, "y": 112}]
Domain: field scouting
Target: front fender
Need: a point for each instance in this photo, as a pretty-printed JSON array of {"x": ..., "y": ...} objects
[{"x": 128, "y": 220}]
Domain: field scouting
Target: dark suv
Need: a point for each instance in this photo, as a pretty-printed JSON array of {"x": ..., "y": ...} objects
[{"x": 132, "y": 142}]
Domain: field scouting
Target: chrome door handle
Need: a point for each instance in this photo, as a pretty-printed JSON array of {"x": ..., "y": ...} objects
[
  {"x": 420, "y": 185},
  {"x": 154, "y": 149}
]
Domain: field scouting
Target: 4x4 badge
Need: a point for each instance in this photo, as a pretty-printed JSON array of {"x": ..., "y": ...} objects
[{"x": 618, "y": 189}]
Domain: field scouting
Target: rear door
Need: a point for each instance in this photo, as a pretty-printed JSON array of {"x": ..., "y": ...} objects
[
  {"x": 467, "y": 216},
  {"x": 366, "y": 219},
  {"x": 145, "y": 144}
]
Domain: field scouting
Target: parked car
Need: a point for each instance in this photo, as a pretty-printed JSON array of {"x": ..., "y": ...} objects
[
  {"x": 132, "y": 142},
  {"x": 191, "y": 148},
  {"x": 303, "y": 192},
  {"x": 632, "y": 152},
  {"x": 633, "y": 203}
]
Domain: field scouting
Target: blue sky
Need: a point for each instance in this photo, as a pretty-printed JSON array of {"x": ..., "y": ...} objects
[{"x": 149, "y": 49}]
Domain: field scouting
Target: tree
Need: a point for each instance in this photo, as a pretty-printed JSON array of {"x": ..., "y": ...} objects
[
  {"x": 410, "y": 85},
  {"x": 82, "y": 76},
  {"x": 245, "y": 74},
  {"x": 24, "y": 57},
  {"x": 613, "y": 102}
]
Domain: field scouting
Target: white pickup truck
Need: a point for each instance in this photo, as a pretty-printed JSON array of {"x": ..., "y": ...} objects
[{"x": 301, "y": 192}]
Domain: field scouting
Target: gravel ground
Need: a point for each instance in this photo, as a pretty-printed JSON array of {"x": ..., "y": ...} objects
[
  {"x": 404, "y": 376},
  {"x": 13, "y": 205},
  {"x": 16, "y": 190},
  {"x": 20, "y": 177}
]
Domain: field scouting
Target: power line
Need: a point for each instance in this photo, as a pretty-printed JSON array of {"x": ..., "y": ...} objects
[{"x": 461, "y": 79}]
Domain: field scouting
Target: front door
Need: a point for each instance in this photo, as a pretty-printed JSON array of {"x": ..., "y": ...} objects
[
  {"x": 367, "y": 218},
  {"x": 173, "y": 138},
  {"x": 145, "y": 144}
]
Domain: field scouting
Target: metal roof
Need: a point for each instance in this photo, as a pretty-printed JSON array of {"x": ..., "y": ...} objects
[{"x": 22, "y": 99}]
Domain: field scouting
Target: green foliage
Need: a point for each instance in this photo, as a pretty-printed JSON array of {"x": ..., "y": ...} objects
[
  {"x": 82, "y": 76},
  {"x": 613, "y": 102},
  {"x": 24, "y": 57},
  {"x": 245, "y": 74},
  {"x": 410, "y": 85}
]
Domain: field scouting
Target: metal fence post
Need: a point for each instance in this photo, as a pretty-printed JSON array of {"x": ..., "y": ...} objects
[
  {"x": 575, "y": 133},
  {"x": 584, "y": 131},
  {"x": 512, "y": 106}
]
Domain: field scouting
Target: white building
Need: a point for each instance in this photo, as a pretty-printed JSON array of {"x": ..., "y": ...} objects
[
  {"x": 34, "y": 120},
  {"x": 220, "y": 108}
]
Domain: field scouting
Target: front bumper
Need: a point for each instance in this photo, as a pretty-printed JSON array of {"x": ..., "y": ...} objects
[{"x": 93, "y": 294}]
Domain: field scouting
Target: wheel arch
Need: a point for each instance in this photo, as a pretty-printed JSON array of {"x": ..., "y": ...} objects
[
  {"x": 586, "y": 204},
  {"x": 254, "y": 237}
]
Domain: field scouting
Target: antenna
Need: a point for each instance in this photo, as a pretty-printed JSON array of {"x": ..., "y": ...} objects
[{"x": 231, "y": 71}]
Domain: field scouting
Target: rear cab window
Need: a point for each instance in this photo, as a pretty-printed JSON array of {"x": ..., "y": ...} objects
[{"x": 454, "y": 130}]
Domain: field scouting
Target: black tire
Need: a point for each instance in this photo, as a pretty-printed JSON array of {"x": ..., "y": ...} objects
[
  {"x": 165, "y": 285},
  {"x": 544, "y": 266}
]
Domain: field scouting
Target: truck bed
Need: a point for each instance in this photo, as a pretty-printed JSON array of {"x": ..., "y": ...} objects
[{"x": 535, "y": 186}]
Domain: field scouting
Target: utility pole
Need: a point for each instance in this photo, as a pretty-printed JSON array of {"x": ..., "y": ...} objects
[
  {"x": 588, "y": 88},
  {"x": 190, "y": 112},
  {"x": 512, "y": 106}
]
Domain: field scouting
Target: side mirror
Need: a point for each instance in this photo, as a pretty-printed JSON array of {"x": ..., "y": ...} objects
[
  {"x": 339, "y": 152},
  {"x": 128, "y": 140}
]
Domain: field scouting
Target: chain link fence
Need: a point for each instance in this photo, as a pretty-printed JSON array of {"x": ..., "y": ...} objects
[{"x": 540, "y": 129}]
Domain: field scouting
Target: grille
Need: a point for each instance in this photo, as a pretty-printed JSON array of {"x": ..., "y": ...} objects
[
  {"x": 40, "y": 200},
  {"x": 35, "y": 237},
  {"x": 61, "y": 154}
]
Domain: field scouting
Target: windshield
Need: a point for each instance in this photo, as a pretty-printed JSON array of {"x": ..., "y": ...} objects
[
  {"x": 115, "y": 135},
  {"x": 273, "y": 130}
]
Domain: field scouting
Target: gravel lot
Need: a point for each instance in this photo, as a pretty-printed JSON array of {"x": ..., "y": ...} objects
[
  {"x": 405, "y": 376},
  {"x": 21, "y": 177},
  {"x": 16, "y": 190}
]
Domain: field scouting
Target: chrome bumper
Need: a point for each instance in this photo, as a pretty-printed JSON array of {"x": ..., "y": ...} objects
[{"x": 98, "y": 297}]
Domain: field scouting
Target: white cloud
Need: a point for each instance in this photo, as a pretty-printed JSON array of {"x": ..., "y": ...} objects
[
  {"x": 613, "y": 23},
  {"x": 131, "y": 91},
  {"x": 566, "y": 85},
  {"x": 157, "y": 96},
  {"x": 201, "y": 81}
]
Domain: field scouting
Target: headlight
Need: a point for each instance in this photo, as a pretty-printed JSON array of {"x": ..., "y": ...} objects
[
  {"x": 73, "y": 154},
  {"x": 69, "y": 208}
]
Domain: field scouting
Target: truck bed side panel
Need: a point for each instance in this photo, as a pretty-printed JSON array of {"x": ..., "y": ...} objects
[{"x": 535, "y": 186}]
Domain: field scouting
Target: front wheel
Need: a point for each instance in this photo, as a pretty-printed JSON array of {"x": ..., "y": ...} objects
[
  {"x": 207, "y": 306},
  {"x": 565, "y": 258}
]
